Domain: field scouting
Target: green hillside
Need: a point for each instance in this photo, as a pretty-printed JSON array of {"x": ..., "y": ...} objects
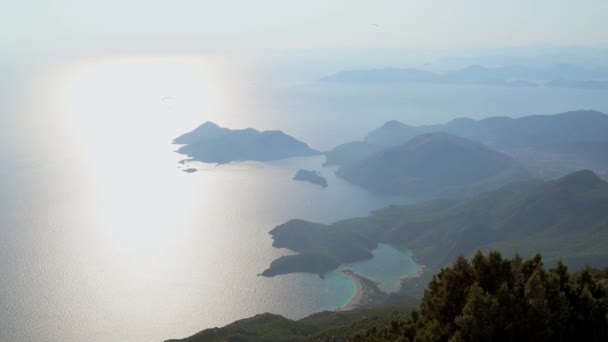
[
  {"x": 319, "y": 326},
  {"x": 566, "y": 218}
]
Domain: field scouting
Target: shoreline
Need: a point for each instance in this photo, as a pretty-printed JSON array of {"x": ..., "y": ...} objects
[
  {"x": 361, "y": 293},
  {"x": 365, "y": 292}
]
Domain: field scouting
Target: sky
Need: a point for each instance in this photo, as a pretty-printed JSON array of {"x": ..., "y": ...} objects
[{"x": 229, "y": 25}]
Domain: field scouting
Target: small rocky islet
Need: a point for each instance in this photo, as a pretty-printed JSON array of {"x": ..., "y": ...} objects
[{"x": 310, "y": 176}]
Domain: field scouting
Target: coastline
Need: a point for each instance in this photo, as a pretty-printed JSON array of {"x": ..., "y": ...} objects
[
  {"x": 366, "y": 290},
  {"x": 362, "y": 293}
]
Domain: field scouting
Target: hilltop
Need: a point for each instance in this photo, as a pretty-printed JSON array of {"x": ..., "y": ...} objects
[{"x": 434, "y": 164}]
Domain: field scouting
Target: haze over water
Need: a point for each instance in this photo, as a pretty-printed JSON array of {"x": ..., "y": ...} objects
[{"x": 104, "y": 238}]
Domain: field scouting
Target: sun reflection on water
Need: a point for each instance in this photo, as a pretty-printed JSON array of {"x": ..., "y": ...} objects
[
  {"x": 126, "y": 111},
  {"x": 113, "y": 242}
]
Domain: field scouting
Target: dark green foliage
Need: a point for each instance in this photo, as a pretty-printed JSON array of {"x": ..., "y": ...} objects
[{"x": 496, "y": 299}]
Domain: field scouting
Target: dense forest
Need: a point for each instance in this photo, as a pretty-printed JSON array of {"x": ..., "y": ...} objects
[{"x": 496, "y": 299}]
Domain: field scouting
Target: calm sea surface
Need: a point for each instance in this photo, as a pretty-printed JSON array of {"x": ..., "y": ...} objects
[{"x": 103, "y": 237}]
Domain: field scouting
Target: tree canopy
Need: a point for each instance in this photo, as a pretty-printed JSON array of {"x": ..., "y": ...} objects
[{"x": 494, "y": 299}]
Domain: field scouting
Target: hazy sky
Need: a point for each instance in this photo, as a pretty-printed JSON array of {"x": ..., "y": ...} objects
[{"x": 282, "y": 24}]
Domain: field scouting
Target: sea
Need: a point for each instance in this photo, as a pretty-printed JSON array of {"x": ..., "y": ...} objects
[{"x": 104, "y": 237}]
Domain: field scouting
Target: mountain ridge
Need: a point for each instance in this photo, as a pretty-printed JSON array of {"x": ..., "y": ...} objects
[
  {"x": 548, "y": 145},
  {"x": 434, "y": 163}
]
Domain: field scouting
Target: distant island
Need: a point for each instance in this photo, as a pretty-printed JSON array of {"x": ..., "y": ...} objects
[
  {"x": 211, "y": 143},
  {"x": 190, "y": 170},
  {"x": 310, "y": 176},
  {"x": 581, "y": 84},
  {"x": 505, "y": 76},
  {"x": 547, "y": 145},
  {"x": 525, "y": 218}
]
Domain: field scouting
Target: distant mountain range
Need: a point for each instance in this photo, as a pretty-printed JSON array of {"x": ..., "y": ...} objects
[
  {"x": 548, "y": 145},
  {"x": 511, "y": 76},
  {"x": 211, "y": 143},
  {"x": 583, "y": 84},
  {"x": 563, "y": 219}
]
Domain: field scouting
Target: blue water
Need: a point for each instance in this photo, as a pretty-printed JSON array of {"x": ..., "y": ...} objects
[
  {"x": 150, "y": 253},
  {"x": 388, "y": 266},
  {"x": 104, "y": 238}
]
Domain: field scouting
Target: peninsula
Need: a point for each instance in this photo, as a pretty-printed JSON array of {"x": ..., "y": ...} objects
[{"x": 526, "y": 218}]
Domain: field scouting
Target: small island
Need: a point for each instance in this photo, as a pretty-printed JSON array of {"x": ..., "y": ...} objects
[{"x": 311, "y": 176}]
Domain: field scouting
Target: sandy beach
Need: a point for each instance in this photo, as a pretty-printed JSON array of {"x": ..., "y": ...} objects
[
  {"x": 361, "y": 294},
  {"x": 367, "y": 291}
]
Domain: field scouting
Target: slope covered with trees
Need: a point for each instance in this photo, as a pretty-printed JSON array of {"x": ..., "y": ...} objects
[
  {"x": 496, "y": 299},
  {"x": 565, "y": 218}
]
